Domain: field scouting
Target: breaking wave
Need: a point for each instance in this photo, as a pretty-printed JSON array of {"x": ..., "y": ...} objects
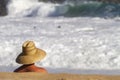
[{"x": 33, "y": 8}]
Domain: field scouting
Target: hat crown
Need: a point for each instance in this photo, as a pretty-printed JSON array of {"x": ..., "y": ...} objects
[
  {"x": 30, "y": 53},
  {"x": 29, "y": 48}
]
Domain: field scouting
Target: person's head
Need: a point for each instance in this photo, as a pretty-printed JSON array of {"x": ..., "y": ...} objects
[{"x": 30, "y": 54}]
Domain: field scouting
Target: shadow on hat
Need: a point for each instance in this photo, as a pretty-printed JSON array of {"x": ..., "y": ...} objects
[{"x": 30, "y": 54}]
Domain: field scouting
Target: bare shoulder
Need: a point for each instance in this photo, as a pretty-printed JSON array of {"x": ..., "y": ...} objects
[{"x": 42, "y": 70}]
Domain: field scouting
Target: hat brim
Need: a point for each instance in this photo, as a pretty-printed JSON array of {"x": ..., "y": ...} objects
[{"x": 29, "y": 59}]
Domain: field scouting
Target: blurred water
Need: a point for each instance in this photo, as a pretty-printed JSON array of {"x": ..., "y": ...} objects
[{"x": 18, "y": 8}]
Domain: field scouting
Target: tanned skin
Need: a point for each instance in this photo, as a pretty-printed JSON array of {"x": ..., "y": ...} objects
[{"x": 30, "y": 68}]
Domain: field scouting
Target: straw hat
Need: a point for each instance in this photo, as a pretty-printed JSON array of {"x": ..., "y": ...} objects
[{"x": 30, "y": 54}]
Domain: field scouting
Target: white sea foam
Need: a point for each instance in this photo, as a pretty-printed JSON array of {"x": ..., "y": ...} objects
[
  {"x": 80, "y": 43},
  {"x": 17, "y": 6},
  {"x": 30, "y": 8}
]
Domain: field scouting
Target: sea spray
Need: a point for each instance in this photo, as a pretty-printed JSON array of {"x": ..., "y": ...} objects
[
  {"x": 30, "y": 8},
  {"x": 18, "y": 6},
  {"x": 35, "y": 8}
]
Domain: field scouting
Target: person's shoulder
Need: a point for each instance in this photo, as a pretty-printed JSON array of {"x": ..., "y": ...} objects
[
  {"x": 43, "y": 70},
  {"x": 20, "y": 69}
]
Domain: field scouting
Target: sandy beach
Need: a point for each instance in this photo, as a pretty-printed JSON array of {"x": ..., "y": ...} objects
[{"x": 58, "y": 76}]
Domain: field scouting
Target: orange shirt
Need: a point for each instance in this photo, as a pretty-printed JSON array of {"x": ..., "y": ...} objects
[{"x": 30, "y": 68}]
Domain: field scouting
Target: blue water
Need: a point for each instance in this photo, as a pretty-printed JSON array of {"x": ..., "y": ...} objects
[{"x": 94, "y": 9}]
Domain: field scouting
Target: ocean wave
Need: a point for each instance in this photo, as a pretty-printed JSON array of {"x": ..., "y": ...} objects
[
  {"x": 94, "y": 9},
  {"x": 42, "y": 9}
]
